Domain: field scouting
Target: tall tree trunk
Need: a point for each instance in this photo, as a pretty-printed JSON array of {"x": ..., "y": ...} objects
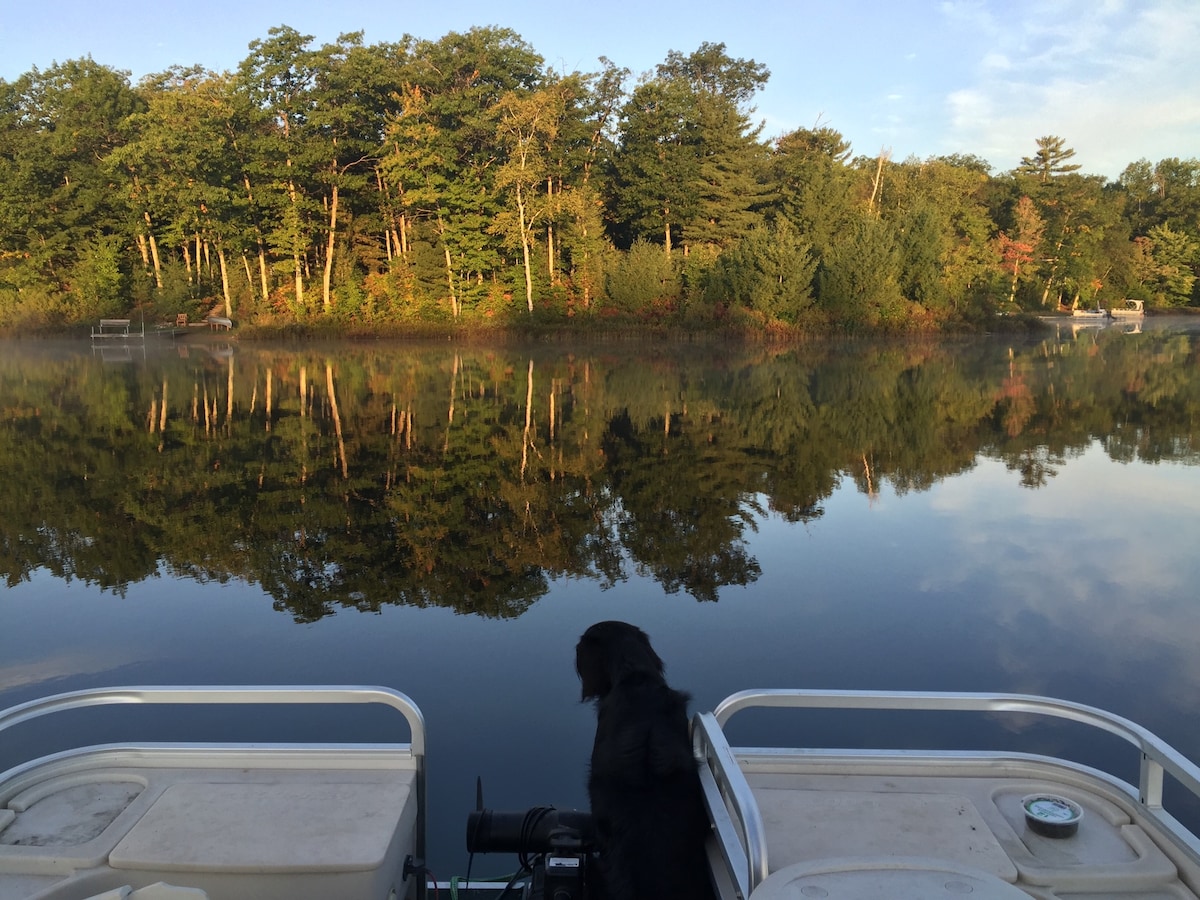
[
  {"x": 249, "y": 274},
  {"x": 225, "y": 282},
  {"x": 262, "y": 253},
  {"x": 262, "y": 271},
  {"x": 393, "y": 236},
  {"x": 333, "y": 210},
  {"x": 299, "y": 269},
  {"x": 296, "y": 261},
  {"x": 877, "y": 186},
  {"x": 525, "y": 249},
  {"x": 154, "y": 253},
  {"x": 157, "y": 263},
  {"x": 449, "y": 265},
  {"x": 550, "y": 234}
]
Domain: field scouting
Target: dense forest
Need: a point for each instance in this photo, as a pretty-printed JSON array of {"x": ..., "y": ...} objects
[
  {"x": 470, "y": 478},
  {"x": 463, "y": 182}
]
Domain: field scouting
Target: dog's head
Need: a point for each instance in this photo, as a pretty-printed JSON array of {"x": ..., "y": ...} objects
[{"x": 610, "y": 650}]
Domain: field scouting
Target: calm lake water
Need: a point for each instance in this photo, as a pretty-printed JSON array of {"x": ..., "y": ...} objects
[{"x": 1015, "y": 514}]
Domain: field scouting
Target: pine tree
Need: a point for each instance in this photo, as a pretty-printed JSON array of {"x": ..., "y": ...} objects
[{"x": 1050, "y": 159}]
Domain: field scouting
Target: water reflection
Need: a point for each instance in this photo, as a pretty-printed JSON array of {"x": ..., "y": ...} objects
[
  {"x": 344, "y": 477},
  {"x": 970, "y": 515}
]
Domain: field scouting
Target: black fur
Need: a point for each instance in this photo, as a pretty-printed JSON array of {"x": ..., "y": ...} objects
[{"x": 643, "y": 786}]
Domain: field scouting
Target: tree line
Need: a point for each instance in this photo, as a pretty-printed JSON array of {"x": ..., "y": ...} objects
[
  {"x": 471, "y": 479},
  {"x": 463, "y": 181}
]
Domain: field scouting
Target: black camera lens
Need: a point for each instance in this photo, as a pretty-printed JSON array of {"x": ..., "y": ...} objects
[{"x": 537, "y": 830}]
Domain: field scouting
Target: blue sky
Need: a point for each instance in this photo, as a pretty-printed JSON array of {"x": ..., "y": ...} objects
[{"x": 1118, "y": 79}]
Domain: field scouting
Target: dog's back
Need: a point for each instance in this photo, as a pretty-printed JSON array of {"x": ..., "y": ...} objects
[{"x": 644, "y": 788}]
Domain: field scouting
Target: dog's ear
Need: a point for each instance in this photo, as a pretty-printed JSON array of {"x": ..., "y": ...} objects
[
  {"x": 592, "y": 666},
  {"x": 641, "y": 654}
]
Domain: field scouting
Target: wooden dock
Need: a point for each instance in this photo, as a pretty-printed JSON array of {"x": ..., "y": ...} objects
[{"x": 116, "y": 330}]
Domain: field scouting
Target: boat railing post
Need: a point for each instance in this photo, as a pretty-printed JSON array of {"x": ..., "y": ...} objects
[
  {"x": 727, "y": 792},
  {"x": 1150, "y": 782}
]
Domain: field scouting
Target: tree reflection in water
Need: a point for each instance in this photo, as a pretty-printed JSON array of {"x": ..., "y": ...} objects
[{"x": 349, "y": 477}]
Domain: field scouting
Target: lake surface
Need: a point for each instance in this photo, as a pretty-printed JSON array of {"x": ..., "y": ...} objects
[{"x": 1001, "y": 514}]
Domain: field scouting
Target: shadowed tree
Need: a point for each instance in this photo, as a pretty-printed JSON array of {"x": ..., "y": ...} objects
[
  {"x": 689, "y": 166},
  {"x": 813, "y": 185}
]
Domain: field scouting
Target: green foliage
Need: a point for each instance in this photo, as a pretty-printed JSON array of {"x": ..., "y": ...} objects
[
  {"x": 97, "y": 280},
  {"x": 643, "y": 279},
  {"x": 655, "y": 178},
  {"x": 459, "y": 179},
  {"x": 689, "y": 166},
  {"x": 26, "y": 301},
  {"x": 858, "y": 280},
  {"x": 1176, "y": 256},
  {"x": 922, "y": 247},
  {"x": 769, "y": 271}
]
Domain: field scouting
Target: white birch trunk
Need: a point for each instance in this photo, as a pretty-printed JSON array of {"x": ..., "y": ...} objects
[{"x": 328, "y": 277}]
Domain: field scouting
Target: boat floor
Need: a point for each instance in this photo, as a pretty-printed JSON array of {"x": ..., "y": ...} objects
[{"x": 921, "y": 827}]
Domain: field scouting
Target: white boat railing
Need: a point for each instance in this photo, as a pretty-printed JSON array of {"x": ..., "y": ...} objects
[
  {"x": 726, "y": 790},
  {"x": 220, "y": 694},
  {"x": 725, "y": 783},
  {"x": 241, "y": 695}
]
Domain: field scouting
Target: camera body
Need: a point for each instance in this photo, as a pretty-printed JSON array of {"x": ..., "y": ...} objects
[
  {"x": 556, "y": 846},
  {"x": 559, "y": 876}
]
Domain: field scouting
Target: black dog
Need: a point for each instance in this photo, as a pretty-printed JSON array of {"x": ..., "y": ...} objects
[{"x": 644, "y": 788}]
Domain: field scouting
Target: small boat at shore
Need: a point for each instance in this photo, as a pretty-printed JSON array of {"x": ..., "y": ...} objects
[
  {"x": 1098, "y": 313},
  {"x": 190, "y": 821},
  {"x": 1133, "y": 309}
]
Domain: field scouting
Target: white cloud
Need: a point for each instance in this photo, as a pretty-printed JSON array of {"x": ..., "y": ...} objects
[
  {"x": 1117, "y": 81},
  {"x": 64, "y": 664}
]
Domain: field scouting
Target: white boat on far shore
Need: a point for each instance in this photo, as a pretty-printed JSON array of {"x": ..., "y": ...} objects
[{"x": 1133, "y": 309}]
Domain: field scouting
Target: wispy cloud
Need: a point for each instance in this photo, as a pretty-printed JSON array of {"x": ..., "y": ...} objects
[
  {"x": 1117, "y": 80},
  {"x": 57, "y": 666}
]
